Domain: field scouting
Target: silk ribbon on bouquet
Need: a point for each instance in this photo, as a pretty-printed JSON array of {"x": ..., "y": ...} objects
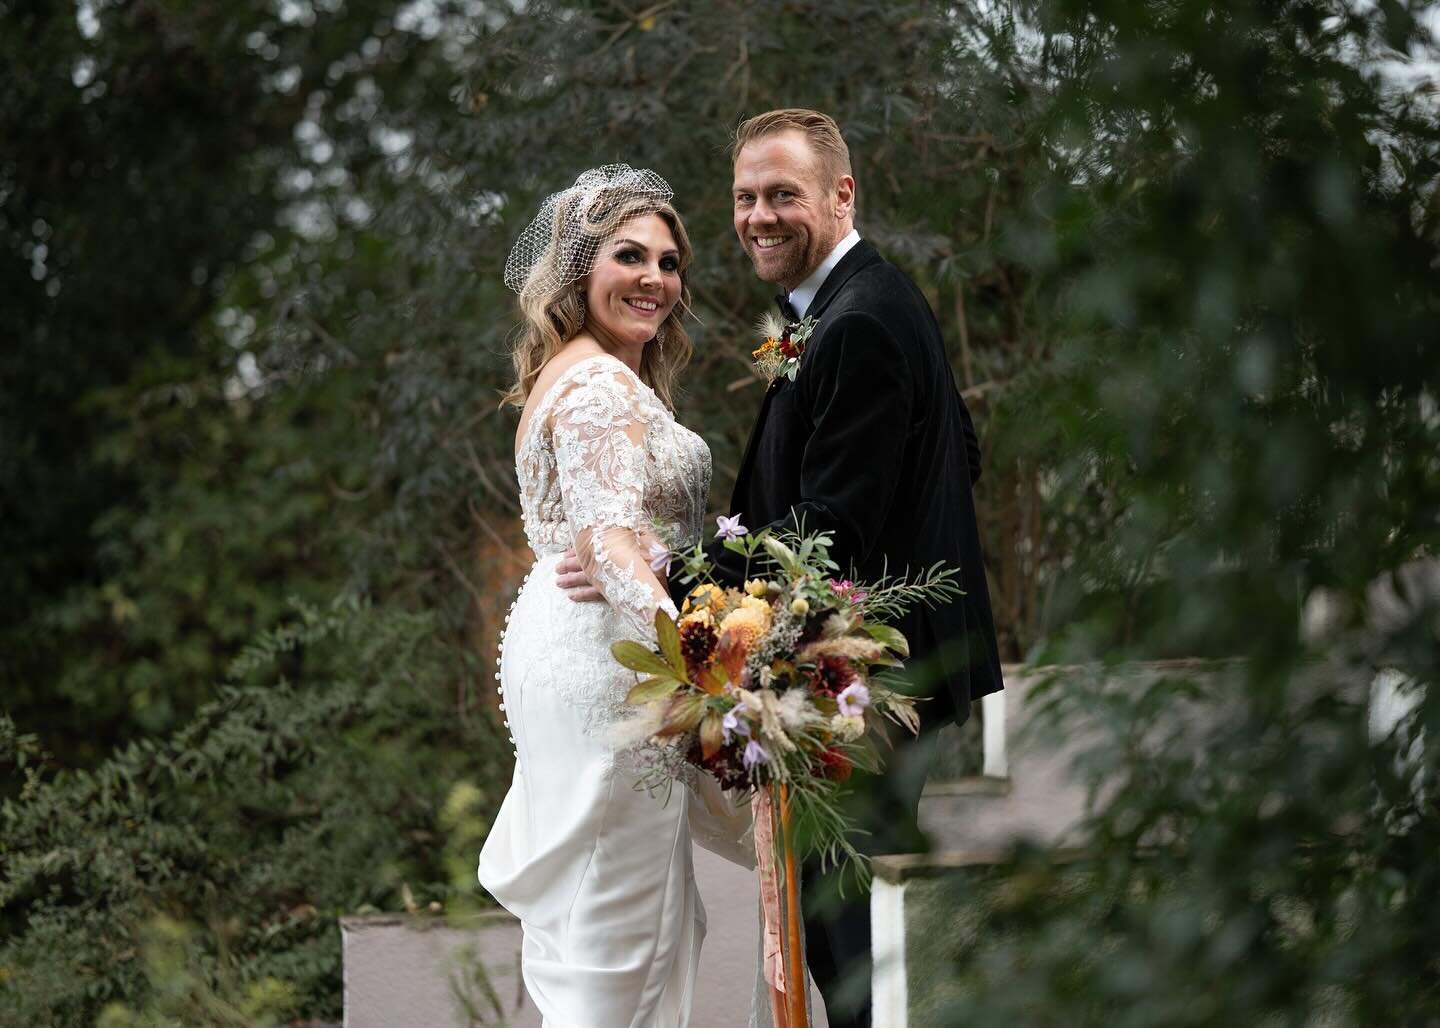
[
  {"x": 784, "y": 947},
  {"x": 773, "y": 948}
]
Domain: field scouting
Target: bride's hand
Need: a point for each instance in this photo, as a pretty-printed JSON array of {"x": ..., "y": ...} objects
[{"x": 570, "y": 576}]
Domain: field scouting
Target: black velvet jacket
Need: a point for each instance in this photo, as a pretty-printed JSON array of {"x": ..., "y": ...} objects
[{"x": 873, "y": 442}]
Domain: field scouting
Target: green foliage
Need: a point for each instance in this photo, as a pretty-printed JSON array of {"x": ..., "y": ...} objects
[
  {"x": 199, "y": 879},
  {"x": 184, "y": 995},
  {"x": 1244, "y": 236},
  {"x": 158, "y": 502}
]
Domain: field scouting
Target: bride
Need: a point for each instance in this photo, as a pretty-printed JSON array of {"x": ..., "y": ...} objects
[{"x": 598, "y": 871}]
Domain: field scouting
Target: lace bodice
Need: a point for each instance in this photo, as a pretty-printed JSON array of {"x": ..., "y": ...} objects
[{"x": 602, "y": 460}]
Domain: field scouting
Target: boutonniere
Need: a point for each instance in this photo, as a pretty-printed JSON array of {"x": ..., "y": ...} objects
[{"x": 783, "y": 347}]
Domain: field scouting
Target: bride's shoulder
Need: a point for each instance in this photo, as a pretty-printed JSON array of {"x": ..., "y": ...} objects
[
  {"x": 584, "y": 376},
  {"x": 567, "y": 364}
]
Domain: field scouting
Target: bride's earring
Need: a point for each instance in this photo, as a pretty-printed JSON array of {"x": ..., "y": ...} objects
[{"x": 580, "y": 300}]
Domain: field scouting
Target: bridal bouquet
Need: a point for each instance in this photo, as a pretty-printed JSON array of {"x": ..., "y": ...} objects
[
  {"x": 782, "y": 683},
  {"x": 780, "y": 689}
]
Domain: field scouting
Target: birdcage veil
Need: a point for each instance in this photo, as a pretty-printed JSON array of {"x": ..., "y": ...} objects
[{"x": 562, "y": 243}]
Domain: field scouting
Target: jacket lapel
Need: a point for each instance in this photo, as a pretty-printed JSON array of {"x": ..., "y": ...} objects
[{"x": 861, "y": 254}]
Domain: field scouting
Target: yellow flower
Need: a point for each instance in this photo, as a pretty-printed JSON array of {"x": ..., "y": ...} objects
[
  {"x": 800, "y": 606},
  {"x": 755, "y": 587},
  {"x": 699, "y": 616},
  {"x": 758, "y": 605},
  {"x": 705, "y": 597}
]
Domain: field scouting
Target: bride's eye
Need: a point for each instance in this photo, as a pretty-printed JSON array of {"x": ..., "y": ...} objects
[
  {"x": 670, "y": 264},
  {"x": 627, "y": 256}
]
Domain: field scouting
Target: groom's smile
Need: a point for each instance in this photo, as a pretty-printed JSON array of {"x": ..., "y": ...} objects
[{"x": 786, "y": 217}]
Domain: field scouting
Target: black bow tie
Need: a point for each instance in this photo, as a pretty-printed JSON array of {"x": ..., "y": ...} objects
[{"x": 787, "y": 309}]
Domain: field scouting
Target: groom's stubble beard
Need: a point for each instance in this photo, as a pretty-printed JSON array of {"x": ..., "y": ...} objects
[{"x": 799, "y": 257}]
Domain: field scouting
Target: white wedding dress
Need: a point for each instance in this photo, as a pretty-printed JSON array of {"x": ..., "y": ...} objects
[{"x": 598, "y": 871}]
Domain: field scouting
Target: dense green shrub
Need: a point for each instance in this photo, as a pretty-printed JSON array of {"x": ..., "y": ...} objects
[
  {"x": 1246, "y": 243},
  {"x": 211, "y": 867}
]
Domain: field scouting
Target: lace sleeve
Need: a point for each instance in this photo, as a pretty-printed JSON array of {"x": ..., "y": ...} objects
[{"x": 599, "y": 437}]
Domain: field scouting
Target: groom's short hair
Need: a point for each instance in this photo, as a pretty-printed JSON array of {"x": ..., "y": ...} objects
[{"x": 819, "y": 129}]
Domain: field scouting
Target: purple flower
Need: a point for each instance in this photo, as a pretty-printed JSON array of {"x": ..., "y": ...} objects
[
  {"x": 730, "y": 528},
  {"x": 660, "y": 558},
  {"x": 732, "y": 724},
  {"x": 754, "y": 754},
  {"x": 853, "y": 699}
]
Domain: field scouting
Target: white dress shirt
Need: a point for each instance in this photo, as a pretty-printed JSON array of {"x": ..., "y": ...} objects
[{"x": 803, "y": 295}]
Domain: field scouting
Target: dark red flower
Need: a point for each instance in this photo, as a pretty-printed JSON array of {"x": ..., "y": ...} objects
[
  {"x": 724, "y": 764},
  {"x": 697, "y": 643},
  {"x": 837, "y": 765},
  {"x": 831, "y": 676}
]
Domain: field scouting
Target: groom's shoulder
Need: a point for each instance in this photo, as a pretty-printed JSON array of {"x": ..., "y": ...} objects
[{"x": 881, "y": 289}]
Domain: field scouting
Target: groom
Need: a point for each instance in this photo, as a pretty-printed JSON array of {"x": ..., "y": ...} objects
[{"x": 872, "y": 442}]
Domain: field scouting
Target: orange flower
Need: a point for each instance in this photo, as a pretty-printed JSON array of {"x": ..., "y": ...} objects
[{"x": 746, "y": 624}]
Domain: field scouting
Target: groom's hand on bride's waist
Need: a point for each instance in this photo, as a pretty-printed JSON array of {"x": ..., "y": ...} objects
[{"x": 570, "y": 576}]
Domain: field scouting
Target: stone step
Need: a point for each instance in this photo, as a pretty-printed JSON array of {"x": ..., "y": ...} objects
[{"x": 426, "y": 972}]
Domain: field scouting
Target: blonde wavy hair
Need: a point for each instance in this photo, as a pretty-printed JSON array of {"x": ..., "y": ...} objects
[{"x": 550, "y": 318}]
